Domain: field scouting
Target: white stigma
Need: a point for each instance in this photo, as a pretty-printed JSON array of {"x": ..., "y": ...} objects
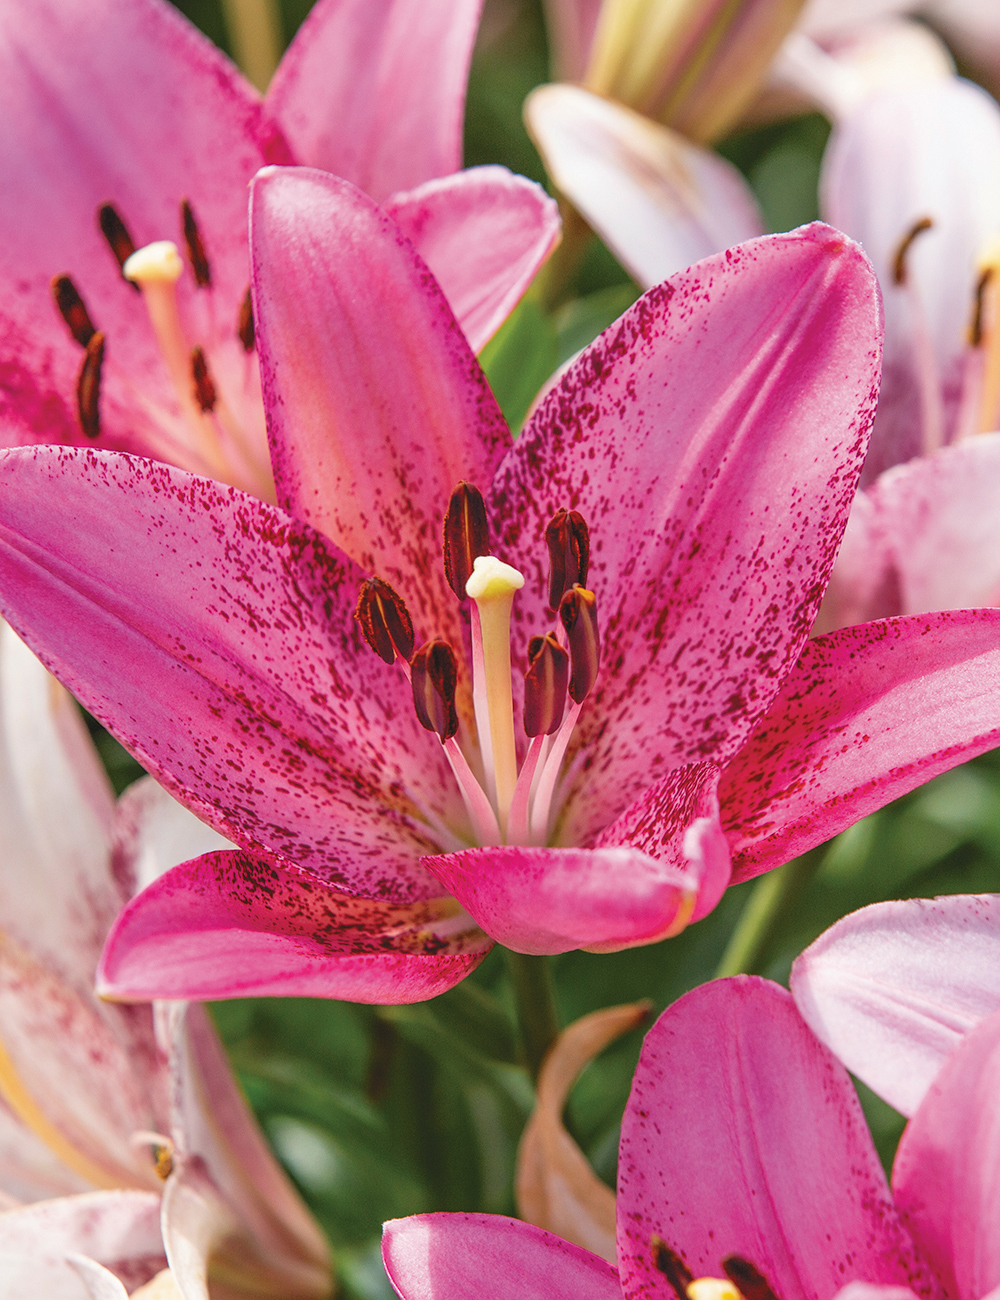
[
  {"x": 491, "y": 579},
  {"x": 712, "y": 1288},
  {"x": 157, "y": 263}
]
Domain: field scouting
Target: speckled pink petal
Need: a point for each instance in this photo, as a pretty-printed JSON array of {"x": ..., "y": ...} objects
[
  {"x": 553, "y": 900},
  {"x": 376, "y": 406},
  {"x": 271, "y": 718},
  {"x": 374, "y": 90},
  {"x": 743, "y": 1135},
  {"x": 228, "y": 925},
  {"x": 483, "y": 233},
  {"x": 867, "y": 714},
  {"x": 712, "y": 439},
  {"x": 893, "y": 988},
  {"x": 489, "y": 1257},
  {"x": 947, "y": 1167},
  {"x": 79, "y": 133}
]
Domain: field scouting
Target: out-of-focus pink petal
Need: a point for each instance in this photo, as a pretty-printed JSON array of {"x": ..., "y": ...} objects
[
  {"x": 374, "y": 90},
  {"x": 743, "y": 1135},
  {"x": 483, "y": 233},
  {"x": 553, "y": 900},
  {"x": 871, "y": 1291},
  {"x": 196, "y": 1222},
  {"x": 571, "y": 26},
  {"x": 973, "y": 28},
  {"x": 120, "y": 1230},
  {"x": 928, "y": 151},
  {"x": 489, "y": 1257},
  {"x": 153, "y": 832},
  {"x": 677, "y": 821},
  {"x": 100, "y": 1283},
  {"x": 30, "y": 1170},
  {"x": 893, "y": 988},
  {"x": 271, "y": 717},
  {"x": 864, "y": 584},
  {"x": 78, "y": 135},
  {"x": 947, "y": 1167},
  {"x": 376, "y": 406},
  {"x": 712, "y": 440},
  {"x": 657, "y": 201},
  {"x": 867, "y": 714},
  {"x": 227, "y": 925}
]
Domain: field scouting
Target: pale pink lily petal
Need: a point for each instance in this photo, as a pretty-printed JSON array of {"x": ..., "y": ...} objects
[
  {"x": 377, "y": 407},
  {"x": 738, "y": 395},
  {"x": 930, "y": 538},
  {"x": 30, "y": 1170},
  {"x": 77, "y": 128},
  {"x": 657, "y": 201},
  {"x": 946, "y": 1168},
  {"x": 827, "y": 20},
  {"x": 743, "y": 1135},
  {"x": 893, "y": 988},
  {"x": 119, "y": 1229},
  {"x": 928, "y": 151},
  {"x": 153, "y": 832},
  {"x": 483, "y": 233},
  {"x": 229, "y": 925},
  {"x": 196, "y": 1225},
  {"x": 489, "y": 1257},
  {"x": 265, "y": 719},
  {"x": 374, "y": 90},
  {"x": 555, "y": 1186},
  {"x": 540, "y": 900},
  {"x": 223, "y": 1155},
  {"x": 571, "y": 26},
  {"x": 100, "y": 1283},
  {"x": 867, "y": 714}
]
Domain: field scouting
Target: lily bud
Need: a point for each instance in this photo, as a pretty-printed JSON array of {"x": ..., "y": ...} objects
[
  {"x": 385, "y": 621},
  {"x": 466, "y": 536},
  {"x": 545, "y": 686},
  {"x": 434, "y": 675},
  {"x": 578, "y": 612},
  {"x": 568, "y": 540}
]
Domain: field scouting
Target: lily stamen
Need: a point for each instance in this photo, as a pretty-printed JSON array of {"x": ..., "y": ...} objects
[
  {"x": 88, "y": 386},
  {"x": 924, "y": 357},
  {"x": 117, "y": 235},
  {"x": 987, "y": 327},
  {"x": 195, "y": 247},
  {"x": 73, "y": 309}
]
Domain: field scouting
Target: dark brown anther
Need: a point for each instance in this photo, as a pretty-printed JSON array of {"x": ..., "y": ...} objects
[
  {"x": 434, "y": 676},
  {"x": 750, "y": 1283},
  {"x": 245, "y": 327},
  {"x": 466, "y": 536},
  {"x": 385, "y": 621},
  {"x": 116, "y": 233},
  {"x": 899, "y": 261},
  {"x": 88, "y": 386},
  {"x": 545, "y": 685},
  {"x": 568, "y": 540},
  {"x": 204, "y": 387},
  {"x": 163, "y": 1161},
  {"x": 671, "y": 1266},
  {"x": 195, "y": 246},
  {"x": 978, "y": 312},
  {"x": 73, "y": 309},
  {"x": 578, "y": 611}
]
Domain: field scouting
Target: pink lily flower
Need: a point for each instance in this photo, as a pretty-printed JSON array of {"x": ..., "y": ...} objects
[
  {"x": 380, "y": 859},
  {"x": 126, "y": 127},
  {"x": 746, "y": 1169},
  {"x": 125, "y": 1142},
  {"x": 894, "y": 988}
]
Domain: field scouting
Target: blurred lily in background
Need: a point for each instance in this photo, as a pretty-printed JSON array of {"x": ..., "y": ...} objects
[
  {"x": 381, "y": 861},
  {"x": 124, "y": 1139},
  {"x": 746, "y": 1169},
  {"x": 107, "y": 180}
]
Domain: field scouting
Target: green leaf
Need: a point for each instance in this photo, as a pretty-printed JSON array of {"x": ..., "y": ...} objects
[{"x": 519, "y": 358}]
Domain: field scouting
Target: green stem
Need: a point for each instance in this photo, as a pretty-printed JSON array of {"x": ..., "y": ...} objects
[
  {"x": 255, "y": 34},
  {"x": 770, "y": 898},
  {"x": 534, "y": 1000}
]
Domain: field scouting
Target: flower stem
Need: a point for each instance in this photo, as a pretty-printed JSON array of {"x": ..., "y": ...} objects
[
  {"x": 769, "y": 900},
  {"x": 534, "y": 1000},
  {"x": 255, "y": 32}
]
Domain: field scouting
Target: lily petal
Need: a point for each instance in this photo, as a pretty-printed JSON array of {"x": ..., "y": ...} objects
[
  {"x": 892, "y": 989},
  {"x": 228, "y": 925},
  {"x": 743, "y": 1135},
  {"x": 483, "y": 233},
  {"x": 374, "y": 90},
  {"x": 153, "y": 832},
  {"x": 571, "y": 25},
  {"x": 946, "y": 1168},
  {"x": 489, "y": 1257},
  {"x": 196, "y": 1222},
  {"x": 725, "y": 418},
  {"x": 867, "y": 714},
  {"x": 271, "y": 717},
  {"x": 659, "y": 202},
  {"x": 79, "y": 136},
  {"x": 553, "y": 900},
  {"x": 376, "y": 406}
]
